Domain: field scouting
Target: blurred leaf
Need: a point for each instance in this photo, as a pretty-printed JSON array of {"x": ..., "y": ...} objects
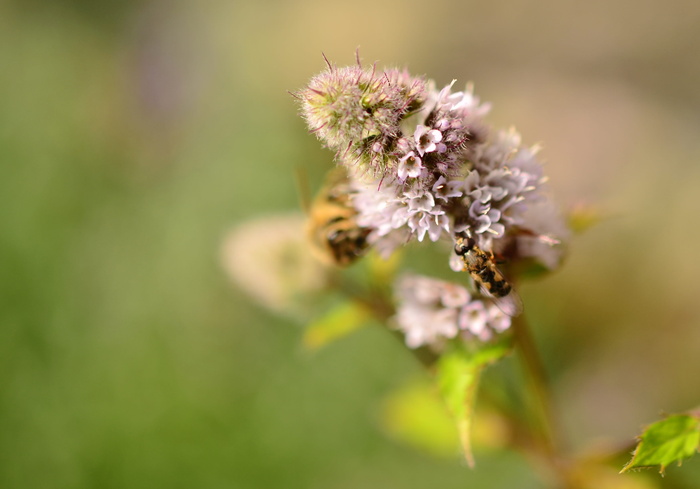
[
  {"x": 416, "y": 415},
  {"x": 529, "y": 269},
  {"x": 340, "y": 321},
  {"x": 667, "y": 441},
  {"x": 458, "y": 377},
  {"x": 383, "y": 271},
  {"x": 583, "y": 217},
  {"x": 372, "y": 274}
]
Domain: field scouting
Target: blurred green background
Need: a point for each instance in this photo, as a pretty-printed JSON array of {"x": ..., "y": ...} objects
[{"x": 134, "y": 134}]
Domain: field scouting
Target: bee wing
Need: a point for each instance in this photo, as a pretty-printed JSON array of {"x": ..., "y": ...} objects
[
  {"x": 510, "y": 305},
  {"x": 470, "y": 260}
]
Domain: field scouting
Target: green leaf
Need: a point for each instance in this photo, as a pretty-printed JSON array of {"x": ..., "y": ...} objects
[
  {"x": 340, "y": 321},
  {"x": 415, "y": 415},
  {"x": 584, "y": 217},
  {"x": 528, "y": 269},
  {"x": 667, "y": 441},
  {"x": 458, "y": 371},
  {"x": 383, "y": 271}
]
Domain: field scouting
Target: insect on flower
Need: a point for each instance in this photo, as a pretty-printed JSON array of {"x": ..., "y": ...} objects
[
  {"x": 487, "y": 276},
  {"x": 332, "y": 228}
]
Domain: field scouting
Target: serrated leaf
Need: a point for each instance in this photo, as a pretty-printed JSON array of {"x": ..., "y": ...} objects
[
  {"x": 458, "y": 371},
  {"x": 340, "y": 321},
  {"x": 666, "y": 441}
]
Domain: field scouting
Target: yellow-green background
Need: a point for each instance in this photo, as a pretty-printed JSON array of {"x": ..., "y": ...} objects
[{"x": 134, "y": 134}]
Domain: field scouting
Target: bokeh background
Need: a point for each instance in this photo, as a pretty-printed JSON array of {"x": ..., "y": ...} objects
[{"x": 135, "y": 134}]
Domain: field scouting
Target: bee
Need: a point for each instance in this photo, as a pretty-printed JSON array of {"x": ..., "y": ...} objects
[
  {"x": 332, "y": 227},
  {"x": 487, "y": 276}
]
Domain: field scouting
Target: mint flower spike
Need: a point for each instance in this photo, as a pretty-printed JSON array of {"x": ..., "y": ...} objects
[
  {"x": 357, "y": 113},
  {"x": 423, "y": 163}
]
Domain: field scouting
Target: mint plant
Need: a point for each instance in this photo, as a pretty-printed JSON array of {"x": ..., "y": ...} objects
[{"x": 422, "y": 168}]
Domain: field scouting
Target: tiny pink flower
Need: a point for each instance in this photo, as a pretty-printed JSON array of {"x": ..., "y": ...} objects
[
  {"x": 442, "y": 189},
  {"x": 428, "y": 140},
  {"x": 473, "y": 318},
  {"x": 410, "y": 166}
]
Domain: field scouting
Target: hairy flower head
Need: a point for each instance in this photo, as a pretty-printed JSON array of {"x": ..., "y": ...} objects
[{"x": 357, "y": 112}]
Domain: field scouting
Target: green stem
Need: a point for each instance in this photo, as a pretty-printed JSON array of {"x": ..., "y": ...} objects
[{"x": 548, "y": 433}]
